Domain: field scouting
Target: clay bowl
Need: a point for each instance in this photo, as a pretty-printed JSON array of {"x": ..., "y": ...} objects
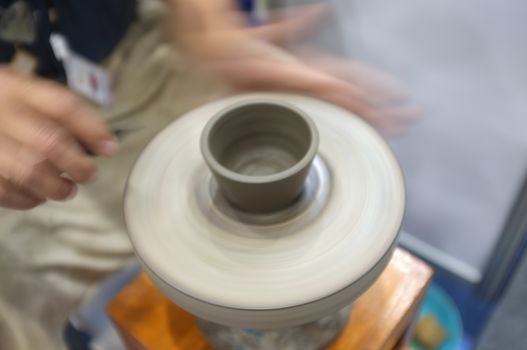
[{"x": 260, "y": 153}]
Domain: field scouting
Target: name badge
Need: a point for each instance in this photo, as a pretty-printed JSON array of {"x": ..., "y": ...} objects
[{"x": 83, "y": 76}]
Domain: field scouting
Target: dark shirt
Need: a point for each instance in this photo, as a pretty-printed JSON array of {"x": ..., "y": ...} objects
[{"x": 92, "y": 27}]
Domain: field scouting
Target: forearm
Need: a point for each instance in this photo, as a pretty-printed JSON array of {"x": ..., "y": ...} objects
[
  {"x": 214, "y": 35},
  {"x": 198, "y": 14},
  {"x": 205, "y": 27}
]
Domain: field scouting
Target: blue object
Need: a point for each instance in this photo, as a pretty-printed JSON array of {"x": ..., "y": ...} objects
[
  {"x": 246, "y": 5},
  {"x": 89, "y": 327},
  {"x": 93, "y": 28},
  {"x": 439, "y": 304}
]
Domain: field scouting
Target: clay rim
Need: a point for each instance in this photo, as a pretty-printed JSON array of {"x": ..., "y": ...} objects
[
  {"x": 215, "y": 166},
  {"x": 162, "y": 275}
]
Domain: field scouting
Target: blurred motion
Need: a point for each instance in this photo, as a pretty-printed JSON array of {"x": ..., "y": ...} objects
[
  {"x": 53, "y": 126},
  {"x": 161, "y": 64},
  {"x": 456, "y": 69},
  {"x": 217, "y": 37},
  {"x": 465, "y": 160},
  {"x": 41, "y": 156}
]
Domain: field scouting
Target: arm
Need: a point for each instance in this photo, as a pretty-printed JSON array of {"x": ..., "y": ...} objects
[{"x": 214, "y": 35}]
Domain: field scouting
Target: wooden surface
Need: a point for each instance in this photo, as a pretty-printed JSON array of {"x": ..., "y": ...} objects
[{"x": 148, "y": 320}]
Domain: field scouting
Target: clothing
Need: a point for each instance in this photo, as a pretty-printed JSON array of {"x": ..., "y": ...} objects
[
  {"x": 70, "y": 247},
  {"x": 93, "y": 28}
]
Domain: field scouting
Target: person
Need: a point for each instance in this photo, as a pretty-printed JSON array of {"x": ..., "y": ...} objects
[
  {"x": 46, "y": 128},
  {"x": 56, "y": 146}
]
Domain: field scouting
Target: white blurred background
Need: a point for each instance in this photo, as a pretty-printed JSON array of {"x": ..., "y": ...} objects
[{"x": 465, "y": 159}]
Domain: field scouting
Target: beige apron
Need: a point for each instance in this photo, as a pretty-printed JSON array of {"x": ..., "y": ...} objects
[{"x": 54, "y": 255}]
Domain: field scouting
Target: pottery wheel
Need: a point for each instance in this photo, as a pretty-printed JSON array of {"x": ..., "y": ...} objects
[{"x": 266, "y": 270}]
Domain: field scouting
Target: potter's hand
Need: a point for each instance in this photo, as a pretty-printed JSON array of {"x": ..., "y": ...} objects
[
  {"x": 214, "y": 34},
  {"x": 382, "y": 99},
  {"x": 44, "y": 129}
]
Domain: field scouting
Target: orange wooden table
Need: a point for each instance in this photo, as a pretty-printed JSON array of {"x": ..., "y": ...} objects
[{"x": 380, "y": 318}]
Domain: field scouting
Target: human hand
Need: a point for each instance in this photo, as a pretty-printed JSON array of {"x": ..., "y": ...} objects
[
  {"x": 44, "y": 132},
  {"x": 217, "y": 39},
  {"x": 379, "y": 98}
]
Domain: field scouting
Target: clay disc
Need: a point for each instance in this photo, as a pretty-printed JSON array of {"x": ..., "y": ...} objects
[{"x": 274, "y": 270}]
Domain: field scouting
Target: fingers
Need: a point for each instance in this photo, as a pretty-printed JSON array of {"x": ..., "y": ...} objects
[
  {"x": 392, "y": 121},
  {"x": 406, "y": 114},
  {"x": 52, "y": 142},
  {"x": 68, "y": 110},
  {"x": 28, "y": 172},
  {"x": 49, "y": 183},
  {"x": 280, "y": 74},
  {"x": 45, "y": 131},
  {"x": 380, "y": 89},
  {"x": 293, "y": 76},
  {"x": 388, "y": 119},
  {"x": 13, "y": 198},
  {"x": 379, "y": 98},
  {"x": 388, "y": 88}
]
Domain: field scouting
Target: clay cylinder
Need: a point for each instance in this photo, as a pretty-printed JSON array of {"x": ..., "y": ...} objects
[{"x": 260, "y": 153}]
